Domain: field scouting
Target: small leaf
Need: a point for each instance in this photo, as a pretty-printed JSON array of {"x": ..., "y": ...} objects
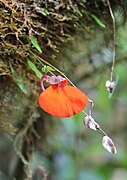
[
  {"x": 98, "y": 21},
  {"x": 19, "y": 81},
  {"x": 43, "y": 11},
  {"x": 38, "y": 74},
  {"x": 32, "y": 65},
  {"x": 35, "y": 44},
  {"x": 34, "y": 68},
  {"x": 78, "y": 12},
  {"x": 46, "y": 12},
  {"x": 13, "y": 71},
  {"x": 21, "y": 85},
  {"x": 49, "y": 68},
  {"x": 45, "y": 69}
]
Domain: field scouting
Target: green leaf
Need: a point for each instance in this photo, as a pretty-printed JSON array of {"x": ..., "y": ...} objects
[
  {"x": 45, "y": 69},
  {"x": 98, "y": 21},
  {"x": 49, "y": 68},
  {"x": 19, "y": 81},
  {"x": 22, "y": 86},
  {"x": 13, "y": 71},
  {"x": 32, "y": 66},
  {"x": 78, "y": 12},
  {"x": 46, "y": 12},
  {"x": 38, "y": 74},
  {"x": 35, "y": 44}
]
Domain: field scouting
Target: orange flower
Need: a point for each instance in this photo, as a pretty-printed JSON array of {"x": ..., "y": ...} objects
[{"x": 60, "y": 99}]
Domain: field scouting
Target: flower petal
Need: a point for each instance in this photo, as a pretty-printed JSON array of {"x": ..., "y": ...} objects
[{"x": 62, "y": 101}]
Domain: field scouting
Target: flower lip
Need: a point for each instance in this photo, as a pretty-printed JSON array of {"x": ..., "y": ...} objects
[
  {"x": 53, "y": 80},
  {"x": 56, "y": 79}
]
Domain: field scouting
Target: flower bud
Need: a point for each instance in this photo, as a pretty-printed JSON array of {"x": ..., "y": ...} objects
[
  {"x": 110, "y": 86},
  {"x": 108, "y": 144},
  {"x": 90, "y": 123}
]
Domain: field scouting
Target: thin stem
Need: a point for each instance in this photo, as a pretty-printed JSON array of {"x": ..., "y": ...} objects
[
  {"x": 84, "y": 112},
  {"x": 103, "y": 132},
  {"x": 52, "y": 73},
  {"x": 114, "y": 35}
]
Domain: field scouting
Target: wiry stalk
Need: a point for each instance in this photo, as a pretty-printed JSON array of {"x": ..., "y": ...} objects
[{"x": 114, "y": 36}]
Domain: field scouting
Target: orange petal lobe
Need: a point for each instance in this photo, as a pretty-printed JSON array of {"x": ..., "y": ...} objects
[{"x": 62, "y": 101}]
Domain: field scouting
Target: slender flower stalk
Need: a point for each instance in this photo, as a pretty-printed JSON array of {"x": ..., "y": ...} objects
[
  {"x": 97, "y": 126},
  {"x": 114, "y": 36}
]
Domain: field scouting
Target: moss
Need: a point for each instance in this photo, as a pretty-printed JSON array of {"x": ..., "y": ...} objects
[{"x": 52, "y": 23}]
